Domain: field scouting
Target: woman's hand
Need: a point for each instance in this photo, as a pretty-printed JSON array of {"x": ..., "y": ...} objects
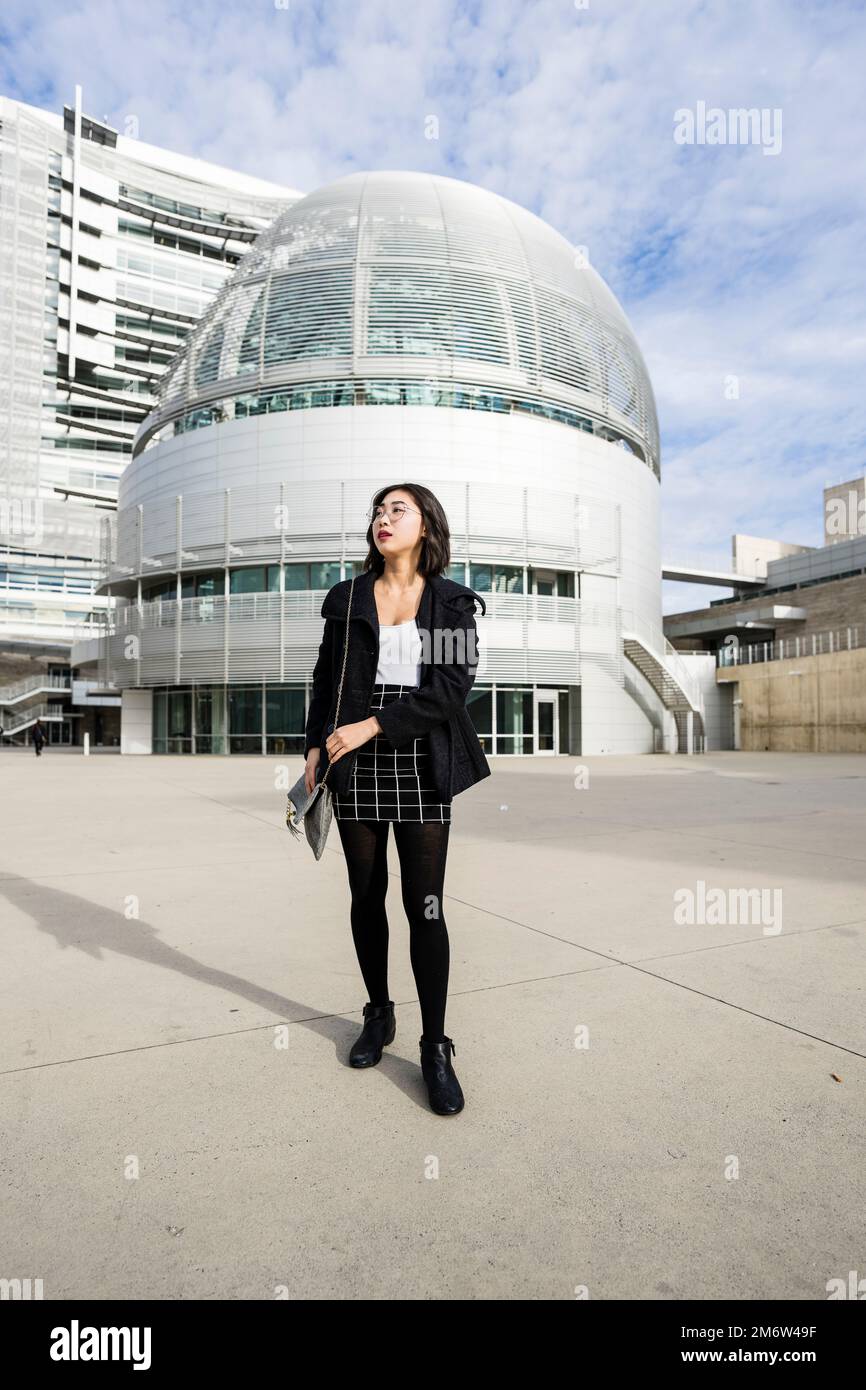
[
  {"x": 313, "y": 758},
  {"x": 350, "y": 736}
]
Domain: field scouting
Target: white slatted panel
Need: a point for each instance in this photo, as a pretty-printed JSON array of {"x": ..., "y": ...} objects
[
  {"x": 400, "y": 276},
  {"x": 326, "y": 520}
]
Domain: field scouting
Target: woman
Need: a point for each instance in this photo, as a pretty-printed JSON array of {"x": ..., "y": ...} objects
[{"x": 405, "y": 746}]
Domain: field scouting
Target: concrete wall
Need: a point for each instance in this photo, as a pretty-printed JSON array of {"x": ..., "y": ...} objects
[
  {"x": 810, "y": 704},
  {"x": 752, "y": 554},
  {"x": 718, "y": 701}
]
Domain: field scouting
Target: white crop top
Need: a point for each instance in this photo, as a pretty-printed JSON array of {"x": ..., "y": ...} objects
[{"x": 400, "y": 651}]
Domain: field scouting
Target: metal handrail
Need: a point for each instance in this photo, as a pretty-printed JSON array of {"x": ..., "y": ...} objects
[
  {"x": 802, "y": 644},
  {"x": 8, "y": 693},
  {"x": 10, "y": 723},
  {"x": 667, "y": 655}
]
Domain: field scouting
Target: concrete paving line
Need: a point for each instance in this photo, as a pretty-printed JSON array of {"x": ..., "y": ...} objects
[
  {"x": 754, "y": 940},
  {"x": 409, "y": 1003},
  {"x": 345, "y": 1014},
  {"x": 753, "y": 1013}
]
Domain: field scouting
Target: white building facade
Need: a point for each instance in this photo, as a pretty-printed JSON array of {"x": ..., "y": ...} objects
[
  {"x": 390, "y": 327},
  {"x": 111, "y": 250}
]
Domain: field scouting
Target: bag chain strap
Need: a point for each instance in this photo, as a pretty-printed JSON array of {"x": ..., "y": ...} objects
[{"x": 343, "y": 672}]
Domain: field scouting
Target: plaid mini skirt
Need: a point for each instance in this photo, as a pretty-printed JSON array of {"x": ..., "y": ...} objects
[{"x": 387, "y": 785}]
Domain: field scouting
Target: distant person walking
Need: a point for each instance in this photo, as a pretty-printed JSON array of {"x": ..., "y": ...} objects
[{"x": 39, "y": 737}]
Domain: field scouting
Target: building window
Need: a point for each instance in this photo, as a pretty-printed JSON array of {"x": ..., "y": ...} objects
[
  {"x": 497, "y": 579},
  {"x": 166, "y": 589},
  {"x": 245, "y": 719},
  {"x": 285, "y": 719},
  {"x": 258, "y": 579},
  {"x": 480, "y": 707},
  {"x": 552, "y": 583},
  {"x": 297, "y": 577},
  {"x": 514, "y": 721},
  {"x": 314, "y": 575},
  {"x": 172, "y": 721},
  {"x": 324, "y": 576}
]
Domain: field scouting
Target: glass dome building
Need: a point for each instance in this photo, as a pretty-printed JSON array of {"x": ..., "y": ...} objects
[{"x": 387, "y": 327}]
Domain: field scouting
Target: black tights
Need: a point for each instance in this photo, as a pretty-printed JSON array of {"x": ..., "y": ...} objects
[{"x": 422, "y": 847}]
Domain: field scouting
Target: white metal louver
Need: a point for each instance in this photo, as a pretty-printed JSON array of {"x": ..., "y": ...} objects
[{"x": 417, "y": 284}]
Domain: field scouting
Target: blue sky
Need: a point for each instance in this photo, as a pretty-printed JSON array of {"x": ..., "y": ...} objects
[{"x": 734, "y": 266}]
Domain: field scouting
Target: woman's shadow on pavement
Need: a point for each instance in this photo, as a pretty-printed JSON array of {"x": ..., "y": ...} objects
[{"x": 79, "y": 924}]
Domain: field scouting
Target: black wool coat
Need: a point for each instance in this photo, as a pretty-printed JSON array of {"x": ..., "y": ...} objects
[{"x": 446, "y": 621}]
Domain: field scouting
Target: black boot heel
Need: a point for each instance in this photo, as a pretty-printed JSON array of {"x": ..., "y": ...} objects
[
  {"x": 380, "y": 1027},
  {"x": 443, "y": 1088}
]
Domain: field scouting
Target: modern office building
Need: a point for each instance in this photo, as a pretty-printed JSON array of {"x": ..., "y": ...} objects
[
  {"x": 110, "y": 251},
  {"x": 393, "y": 326},
  {"x": 790, "y": 643}
]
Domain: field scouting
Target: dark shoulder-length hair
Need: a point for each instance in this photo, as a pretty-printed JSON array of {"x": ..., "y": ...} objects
[{"x": 435, "y": 546}]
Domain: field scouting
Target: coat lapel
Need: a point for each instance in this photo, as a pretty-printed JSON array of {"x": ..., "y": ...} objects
[{"x": 336, "y": 601}]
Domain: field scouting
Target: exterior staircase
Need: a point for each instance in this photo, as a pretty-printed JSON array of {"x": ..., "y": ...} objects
[
  {"x": 19, "y": 720},
  {"x": 21, "y": 692},
  {"x": 661, "y": 664},
  {"x": 21, "y": 703}
]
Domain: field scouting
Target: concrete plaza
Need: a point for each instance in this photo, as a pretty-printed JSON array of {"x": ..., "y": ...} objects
[{"x": 662, "y": 1101}]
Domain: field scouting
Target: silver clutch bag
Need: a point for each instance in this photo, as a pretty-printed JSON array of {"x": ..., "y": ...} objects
[{"x": 314, "y": 810}]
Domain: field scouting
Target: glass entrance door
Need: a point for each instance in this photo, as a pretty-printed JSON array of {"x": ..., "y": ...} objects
[{"x": 546, "y": 722}]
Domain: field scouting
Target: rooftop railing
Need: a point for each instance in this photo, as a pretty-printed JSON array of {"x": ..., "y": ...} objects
[{"x": 831, "y": 640}]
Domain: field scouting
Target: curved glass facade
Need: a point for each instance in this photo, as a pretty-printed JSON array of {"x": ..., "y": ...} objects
[
  {"x": 417, "y": 289},
  {"x": 264, "y": 718},
  {"x": 325, "y": 394}
]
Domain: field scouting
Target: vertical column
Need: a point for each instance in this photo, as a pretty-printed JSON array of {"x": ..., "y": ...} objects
[
  {"x": 524, "y": 633},
  {"x": 105, "y": 680},
  {"x": 283, "y": 528},
  {"x": 227, "y": 526},
  {"x": 139, "y": 610},
  {"x": 178, "y": 590}
]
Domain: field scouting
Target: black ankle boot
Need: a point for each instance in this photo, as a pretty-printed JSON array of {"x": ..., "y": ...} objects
[
  {"x": 443, "y": 1088},
  {"x": 379, "y": 1029}
]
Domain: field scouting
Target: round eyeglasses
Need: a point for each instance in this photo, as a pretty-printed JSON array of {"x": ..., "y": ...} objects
[{"x": 395, "y": 511}]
